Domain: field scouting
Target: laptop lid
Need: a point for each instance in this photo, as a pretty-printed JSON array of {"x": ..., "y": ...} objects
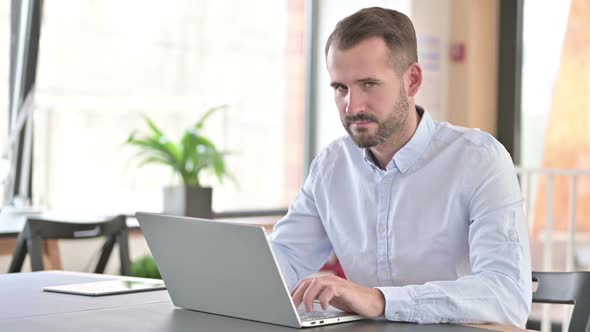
[{"x": 219, "y": 267}]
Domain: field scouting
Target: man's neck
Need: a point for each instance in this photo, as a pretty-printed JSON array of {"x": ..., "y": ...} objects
[{"x": 384, "y": 152}]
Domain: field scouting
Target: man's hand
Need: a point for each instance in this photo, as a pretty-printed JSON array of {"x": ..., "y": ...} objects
[{"x": 340, "y": 293}]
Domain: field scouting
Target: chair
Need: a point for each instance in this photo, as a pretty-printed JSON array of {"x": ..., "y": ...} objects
[
  {"x": 566, "y": 288},
  {"x": 38, "y": 229}
]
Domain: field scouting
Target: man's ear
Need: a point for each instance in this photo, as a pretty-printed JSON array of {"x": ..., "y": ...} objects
[{"x": 414, "y": 79}]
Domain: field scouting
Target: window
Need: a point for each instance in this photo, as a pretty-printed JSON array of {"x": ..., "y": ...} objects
[
  {"x": 4, "y": 77},
  {"x": 542, "y": 53},
  {"x": 103, "y": 64},
  {"x": 555, "y": 108}
]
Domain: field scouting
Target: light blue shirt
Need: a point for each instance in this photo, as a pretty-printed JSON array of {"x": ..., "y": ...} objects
[{"x": 441, "y": 231}]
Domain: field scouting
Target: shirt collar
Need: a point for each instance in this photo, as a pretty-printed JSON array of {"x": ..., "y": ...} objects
[{"x": 410, "y": 152}]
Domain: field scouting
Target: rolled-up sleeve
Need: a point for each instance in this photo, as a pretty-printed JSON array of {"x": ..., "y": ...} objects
[{"x": 499, "y": 288}]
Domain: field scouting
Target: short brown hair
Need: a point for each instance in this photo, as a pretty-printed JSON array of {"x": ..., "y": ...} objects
[{"x": 395, "y": 28}]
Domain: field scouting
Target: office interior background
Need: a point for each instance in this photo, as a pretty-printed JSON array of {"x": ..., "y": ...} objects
[{"x": 103, "y": 64}]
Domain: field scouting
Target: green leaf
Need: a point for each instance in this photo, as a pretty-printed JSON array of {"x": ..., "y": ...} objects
[
  {"x": 157, "y": 147},
  {"x": 191, "y": 155},
  {"x": 219, "y": 166},
  {"x": 145, "y": 267},
  {"x": 153, "y": 160},
  {"x": 153, "y": 126},
  {"x": 204, "y": 117}
]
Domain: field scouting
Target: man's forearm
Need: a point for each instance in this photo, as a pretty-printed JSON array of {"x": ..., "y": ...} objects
[{"x": 485, "y": 298}]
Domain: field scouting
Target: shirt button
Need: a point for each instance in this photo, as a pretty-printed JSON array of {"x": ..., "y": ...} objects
[
  {"x": 513, "y": 236},
  {"x": 381, "y": 229},
  {"x": 396, "y": 316}
]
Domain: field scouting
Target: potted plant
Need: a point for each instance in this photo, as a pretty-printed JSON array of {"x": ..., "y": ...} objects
[
  {"x": 145, "y": 267},
  {"x": 193, "y": 154}
]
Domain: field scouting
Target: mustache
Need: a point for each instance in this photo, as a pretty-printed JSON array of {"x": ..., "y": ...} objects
[{"x": 360, "y": 117}]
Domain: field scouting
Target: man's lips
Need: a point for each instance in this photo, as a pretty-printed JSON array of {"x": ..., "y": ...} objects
[{"x": 361, "y": 123}]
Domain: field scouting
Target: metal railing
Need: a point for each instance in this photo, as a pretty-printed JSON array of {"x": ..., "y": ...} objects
[{"x": 527, "y": 176}]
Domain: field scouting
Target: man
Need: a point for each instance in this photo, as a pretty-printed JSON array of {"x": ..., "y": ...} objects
[{"x": 425, "y": 218}]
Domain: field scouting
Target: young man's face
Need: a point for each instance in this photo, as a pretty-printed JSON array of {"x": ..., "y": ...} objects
[{"x": 370, "y": 95}]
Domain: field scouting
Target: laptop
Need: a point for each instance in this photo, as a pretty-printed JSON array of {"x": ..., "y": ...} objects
[{"x": 227, "y": 269}]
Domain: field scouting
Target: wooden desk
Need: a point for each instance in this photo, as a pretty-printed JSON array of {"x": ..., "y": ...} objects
[{"x": 25, "y": 307}]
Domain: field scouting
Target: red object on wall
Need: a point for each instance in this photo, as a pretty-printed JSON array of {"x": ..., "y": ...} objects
[{"x": 458, "y": 52}]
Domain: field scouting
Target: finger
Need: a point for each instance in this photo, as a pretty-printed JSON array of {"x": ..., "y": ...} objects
[
  {"x": 311, "y": 293},
  {"x": 326, "y": 296},
  {"x": 294, "y": 289},
  {"x": 299, "y": 291}
]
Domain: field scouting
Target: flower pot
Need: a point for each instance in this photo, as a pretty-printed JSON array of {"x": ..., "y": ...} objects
[{"x": 188, "y": 201}]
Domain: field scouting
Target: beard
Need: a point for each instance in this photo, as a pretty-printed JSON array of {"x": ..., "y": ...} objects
[{"x": 390, "y": 126}]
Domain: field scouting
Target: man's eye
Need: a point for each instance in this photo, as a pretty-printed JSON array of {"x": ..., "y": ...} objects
[
  {"x": 370, "y": 84},
  {"x": 341, "y": 88}
]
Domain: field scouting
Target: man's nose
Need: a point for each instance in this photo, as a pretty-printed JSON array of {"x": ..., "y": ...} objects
[{"x": 356, "y": 102}]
